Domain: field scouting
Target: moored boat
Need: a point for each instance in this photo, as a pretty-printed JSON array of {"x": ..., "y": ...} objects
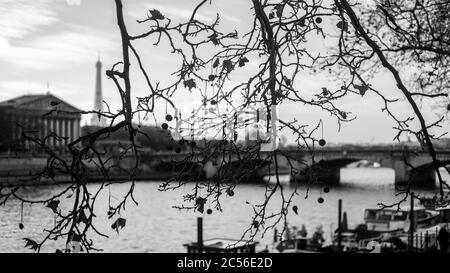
[
  {"x": 220, "y": 245},
  {"x": 297, "y": 245},
  {"x": 397, "y": 220}
]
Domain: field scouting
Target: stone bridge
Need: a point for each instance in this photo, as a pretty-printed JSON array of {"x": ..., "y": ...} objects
[{"x": 410, "y": 163}]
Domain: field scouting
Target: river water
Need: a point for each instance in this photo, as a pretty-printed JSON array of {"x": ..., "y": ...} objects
[{"x": 155, "y": 226}]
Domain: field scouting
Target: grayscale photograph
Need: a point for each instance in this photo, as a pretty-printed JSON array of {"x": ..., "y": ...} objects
[{"x": 233, "y": 128}]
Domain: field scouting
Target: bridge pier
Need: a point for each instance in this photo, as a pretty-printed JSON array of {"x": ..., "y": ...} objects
[
  {"x": 401, "y": 173},
  {"x": 331, "y": 176},
  {"x": 423, "y": 176}
]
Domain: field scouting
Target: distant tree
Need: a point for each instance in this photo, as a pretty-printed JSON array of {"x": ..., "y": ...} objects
[
  {"x": 318, "y": 237},
  {"x": 303, "y": 232},
  {"x": 149, "y": 137}
]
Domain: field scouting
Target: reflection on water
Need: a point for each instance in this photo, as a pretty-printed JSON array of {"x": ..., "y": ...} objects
[
  {"x": 370, "y": 177},
  {"x": 155, "y": 226}
]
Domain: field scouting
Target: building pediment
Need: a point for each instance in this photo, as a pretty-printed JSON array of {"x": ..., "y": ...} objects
[{"x": 47, "y": 102}]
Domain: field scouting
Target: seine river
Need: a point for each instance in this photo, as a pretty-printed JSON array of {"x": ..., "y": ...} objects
[{"x": 155, "y": 226}]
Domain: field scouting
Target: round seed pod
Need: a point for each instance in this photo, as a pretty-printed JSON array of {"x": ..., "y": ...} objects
[
  {"x": 230, "y": 192},
  {"x": 320, "y": 200},
  {"x": 322, "y": 142},
  {"x": 169, "y": 117},
  {"x": 165, "y": 126}
]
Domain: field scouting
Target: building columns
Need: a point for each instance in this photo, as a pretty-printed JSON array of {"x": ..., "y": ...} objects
[
  {"x": 52, "y": 130},
  {"x": 77, "y": 128},
  {"x": 71, "y": 130},
  {"x": 42, "y": 132},
  {"x": 66, "y": 127},
  {"x": 62, "y": 131},
  {"x": 64, "y": 134},
  {"x": 57, "y": 130},
  {"x": 68, "y": 130},
  {"x": 45, "y": 127}
]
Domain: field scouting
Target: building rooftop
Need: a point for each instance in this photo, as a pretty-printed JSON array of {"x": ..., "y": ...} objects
[
  {"x": 38, "y": 101},
  {"x": 21, "y": 100}
]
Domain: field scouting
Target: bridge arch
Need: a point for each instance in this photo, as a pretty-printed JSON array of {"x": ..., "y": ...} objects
[
  {"x": 328, "y": 171},
  {"x": 324, "y": 171}
]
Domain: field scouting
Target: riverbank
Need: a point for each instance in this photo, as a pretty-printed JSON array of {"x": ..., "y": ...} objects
[
  {"x": 64, "y": 179},
  {"x": 26, "y": 170},
  {"x": 33, "y": 170}
]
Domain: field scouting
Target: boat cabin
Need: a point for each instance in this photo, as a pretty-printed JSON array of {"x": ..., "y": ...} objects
[
  {"x": 219, "y": 245},
  {"x": 392, "y": 219}
]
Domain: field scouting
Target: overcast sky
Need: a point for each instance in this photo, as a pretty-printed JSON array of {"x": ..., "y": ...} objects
[{"x": 59, "y": 40}]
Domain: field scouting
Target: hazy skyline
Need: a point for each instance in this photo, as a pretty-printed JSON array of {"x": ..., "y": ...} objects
[{"x": 58, "y": 41}]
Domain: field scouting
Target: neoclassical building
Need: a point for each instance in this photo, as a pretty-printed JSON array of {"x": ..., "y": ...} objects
[{"x": 39, "y": 115}]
